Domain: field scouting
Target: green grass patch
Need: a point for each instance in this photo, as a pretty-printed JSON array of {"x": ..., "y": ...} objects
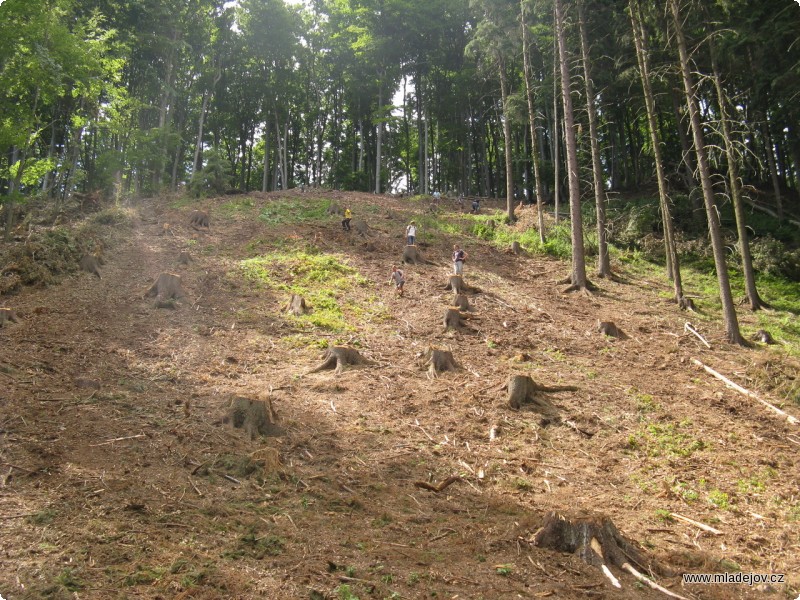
[
  {"x": 237, "y": 206},
  {"x": 281, "y": 212},
  {"x": 666, "y": 439},
  {"x": 324, "y": 280}
]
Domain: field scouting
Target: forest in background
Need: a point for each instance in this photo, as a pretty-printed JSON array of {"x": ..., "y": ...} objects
[{"x": 550, "y": 101}]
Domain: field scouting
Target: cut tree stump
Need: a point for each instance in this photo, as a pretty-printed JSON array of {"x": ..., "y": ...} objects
[
  {"x": 339, "y": 357},
  {"x": 596, "y": 540},
  {"x": 412, "y": 256},
  {"x": 256, "y": 417},
  {"x": 184, "y": 258},
  {"x": 7, "y": 315},
  {"x": 335, "y": 209},
  {"x": 608, "y": 328},
  {"x": 453, "y": 319},
  {"x": 167, "y": 289},
  {"x": 439, "y": 360},
  {"x": 297, "y": 305},
  {"x": 198, "y": 219},
  {"x": 456, "y": 283},
  {"x": 524, "y": 390},
  {"x": 361, "y": 227},
  {"x": 516, "y": 248},
  {"x": 685, "y": 303},
  {"x": 763, "y": 336},
  {"x": 460, "y": 300},
  {"x": 90, "y": 264}
]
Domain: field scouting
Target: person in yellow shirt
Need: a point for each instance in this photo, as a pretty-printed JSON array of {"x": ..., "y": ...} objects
[{"x": 346, "y": 221}]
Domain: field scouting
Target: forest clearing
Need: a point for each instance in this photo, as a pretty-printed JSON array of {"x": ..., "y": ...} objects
[{"x": 192, "y": 443}]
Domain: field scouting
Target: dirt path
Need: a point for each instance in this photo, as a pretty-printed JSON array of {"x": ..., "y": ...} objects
[{"x": 122, "y": 480}]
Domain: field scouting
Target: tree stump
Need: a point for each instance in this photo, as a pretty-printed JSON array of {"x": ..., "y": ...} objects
[
  {"x": 7, "y": 315},
  {"x": 595, "y": 539},
  {"x": 334, "y": 209},
  {"x": 516, "y": 248},
  {"x": 90, "y": 264},
  {"x": 167, "y": 289},
  {"x": 460, "y": 300},
  {"x": 198, "y": 219},
  {"x": 184, "y": 258},
  {"x": 256, "y": 417},
  {"x": 453, "y": 319},
  {"x": 297, "y": 305},
  {"x": 439, "y": 361},
  {"x": 361, "y": 227},
  {"x": 763, "y": 336},
  {"x": 524, "y": 390},
  {"x": 338, "y": 357},
  {"x": 412, "y": 256},
  {"x": 456, "y": 283},
  {"x": 608, "y": 328},
  {"x": 685, "y": 303}
]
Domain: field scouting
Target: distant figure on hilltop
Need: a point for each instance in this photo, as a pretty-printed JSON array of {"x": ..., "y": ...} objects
[
  {"x": 459, "y": 256},
  {"x": 347, "y": 218},
  {"x": 411, "y": 233}
]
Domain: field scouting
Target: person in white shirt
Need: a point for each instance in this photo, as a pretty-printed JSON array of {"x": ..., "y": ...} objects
[{"x": 411, "y": 233}]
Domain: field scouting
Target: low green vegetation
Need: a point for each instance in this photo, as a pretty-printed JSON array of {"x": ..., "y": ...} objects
[
  {"x": 324, "y": 280},
  {"x": 281, "y": 212},
  {"x": 666, "y": 439}
]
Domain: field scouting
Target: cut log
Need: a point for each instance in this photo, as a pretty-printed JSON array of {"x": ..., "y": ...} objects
[
  {"x": 255, "y": 417},
  {"x": 456, "y": 283},
  {"x": 453, "y": 319},
  {"x": 166, "y": 289},
  {"x": 198, "y": 219},
  {"x": 595, "y": 539},
  {"x": 460, "y": 300},
  {"x": 412, "y": 256},
  {"x": 439, "y": 361},
  {"x": 339, "y": 357},
  {"x": 524, "y": 390},
  {"x": 608, "y": 328},
  {"x": 90, "y": 264},
  {"x": 7, "y": 315},
  {"x": 297, "y": 305}
]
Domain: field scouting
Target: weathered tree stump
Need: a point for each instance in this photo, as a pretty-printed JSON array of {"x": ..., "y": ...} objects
[
  {"x": 7, "y": 315},
  {"x": 184, "y": 258},
  {"x": 256, "y": 417},
  {"x": 461, "y": 301},
  {"x": 334, "y": 209},
  {"x": 167, "y": 289},
  {"x": 595, "y": 539},
  {"x": 90, "y": 264},
  {"x": 763, "y": 336},
  {"x": 608, "y": 328},
  {"x": 454, "y": 319},
  {"x": 339, "y": 357},
  {"x": 198, "y": 219},
  {"x": 297, "y": 305},
  {"x": 685, "y": 303},
  {"x": 456, "y": 283},
  {"x": 439, "y": 361},
  {"x": 516, "y": 248},
  {"x": 524, "y": 390},
  {"x": 361, "y": 227},
  {"x": 412, "y": 256}
]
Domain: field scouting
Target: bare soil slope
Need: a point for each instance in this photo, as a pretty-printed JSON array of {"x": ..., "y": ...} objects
[{"x": 122, "y": 476}]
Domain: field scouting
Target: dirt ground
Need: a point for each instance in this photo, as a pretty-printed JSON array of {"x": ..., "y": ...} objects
[{"x": 121, "y": 475}]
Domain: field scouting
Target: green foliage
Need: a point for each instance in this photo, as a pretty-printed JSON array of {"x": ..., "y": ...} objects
[
  {"x": 345, "y": 592},
  {"x": 213, "y": 178},
  {"x": 671, "y": 439},
  {"x": 280, "y": 212},
  {"x": 719, "y": 499},
  {"x": 322, "y": 279}
]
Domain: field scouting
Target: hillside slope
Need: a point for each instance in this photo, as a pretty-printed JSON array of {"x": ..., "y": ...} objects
[{"x": 122, "y": 476}]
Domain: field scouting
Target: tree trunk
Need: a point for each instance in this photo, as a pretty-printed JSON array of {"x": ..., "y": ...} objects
[
  {"x": 265, "y": 177},
  {"x": 728, "y": 309},
  {"x": 673, "y": 263},
  {"x": 579, "y": 280},
  {"x": 773, "y": 167},
  {"x": 378, "y": 138},
  {"x": 555, "y": 138},
  {"x": 507, "y": 140},
  {"x": 736, "y": 191},
  {"x": 603, "y": 262}
]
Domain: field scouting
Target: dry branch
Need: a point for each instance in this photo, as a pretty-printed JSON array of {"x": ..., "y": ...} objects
[
  {"x": 437, "y": 488},
  {"x": 697, "y": 524},
  {"x": 748, "y": 393}
]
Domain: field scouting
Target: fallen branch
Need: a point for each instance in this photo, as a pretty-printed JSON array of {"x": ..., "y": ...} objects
[
  {"x": 749, "y": 394},
  {"x": 652, "y": 584},
  {"x": 437, "y": 488},
  {"x": 697, "y": 524},
  {"x": 119, "y": 439},
  {"x": 688, "y": 327}
]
